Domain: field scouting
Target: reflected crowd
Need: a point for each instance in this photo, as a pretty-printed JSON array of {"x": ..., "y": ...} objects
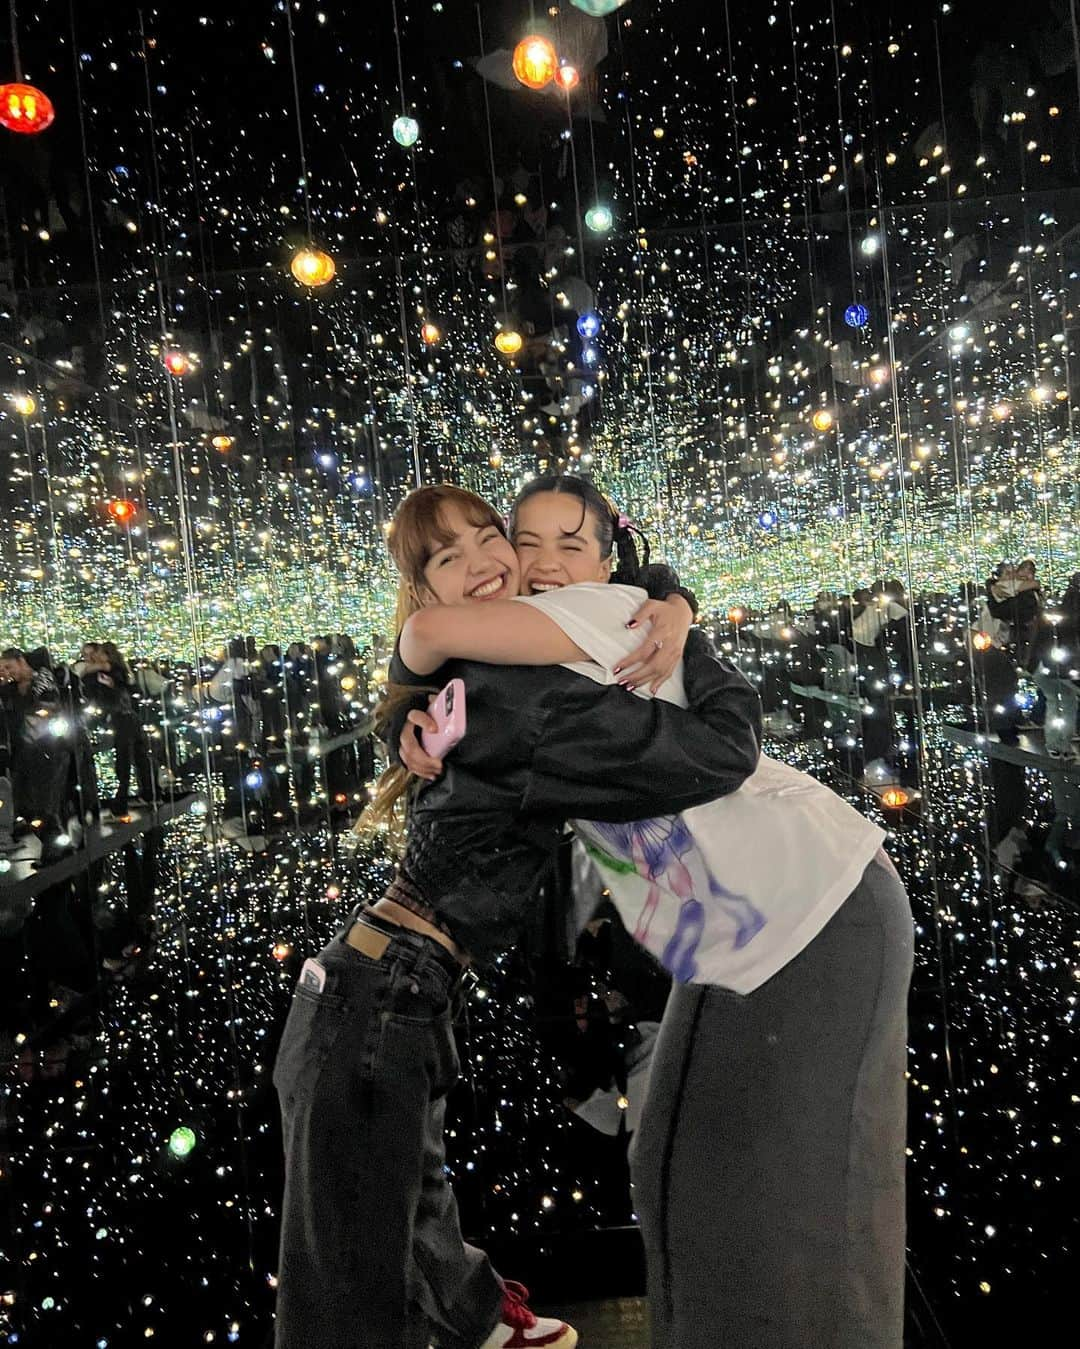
[
  {"x": 253, "y": 718},
  {"x": 866, "y": 678},
  {"x": 99, "y": 753}
]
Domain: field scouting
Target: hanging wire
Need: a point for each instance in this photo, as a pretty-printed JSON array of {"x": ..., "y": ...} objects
[
  {"x": 112, "y": 420},
  {"x": 916, "y": 679},
  {"x": 754, "y": 429},
  {"x": 500, "y": 252},
  {"x": 800, "y": 156},
  {"x": 194, "y": 613},
  {"x": 422, "y": 246},
  {"x": 299, "y": 117},
  {"x": 16, "y": 56},
  {"x": 1075, "y": 23},
  {"x": 571, "y": 142},
  {"x": 491, "y": 164},
  {"x": 661, "y": 475},
  {"x": 400, "y": 61},
  {"x": 410, "y": 396},
  {"x": 423, "y": 251}
]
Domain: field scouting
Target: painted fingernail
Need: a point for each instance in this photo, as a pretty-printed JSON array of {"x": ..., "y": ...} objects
[
  {"x": 632, "y": 623},
  {"x": 617, "y": 670}
]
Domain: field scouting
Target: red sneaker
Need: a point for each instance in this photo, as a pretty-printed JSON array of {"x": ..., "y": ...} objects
[{"x": 521, "y": 1328}]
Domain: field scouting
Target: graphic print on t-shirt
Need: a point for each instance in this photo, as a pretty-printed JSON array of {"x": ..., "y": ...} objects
[{"x": 663, "y": 854}]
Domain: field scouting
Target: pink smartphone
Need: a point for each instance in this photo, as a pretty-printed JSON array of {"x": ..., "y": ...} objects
[{"x": 448, "y": 709}]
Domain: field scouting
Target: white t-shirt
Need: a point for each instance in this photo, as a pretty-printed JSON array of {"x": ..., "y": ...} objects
[{"x": 729, "y": 892}]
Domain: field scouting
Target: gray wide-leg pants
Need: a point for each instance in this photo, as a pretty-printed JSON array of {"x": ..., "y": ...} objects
[{"x": 769, "y": 1167}]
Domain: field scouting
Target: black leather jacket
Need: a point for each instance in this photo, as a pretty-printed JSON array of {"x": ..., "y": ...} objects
[{"x": 545, "y": 745}]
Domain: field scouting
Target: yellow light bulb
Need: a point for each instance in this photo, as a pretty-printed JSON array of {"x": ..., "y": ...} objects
[
  {"x": 312, "y": 267},
  {"x": 509, "y": 342}
]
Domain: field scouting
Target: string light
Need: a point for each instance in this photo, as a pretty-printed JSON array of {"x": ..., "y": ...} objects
[
  {"x": 313, "y": 267},
  {"x": 567, "y": 77},
  {"x": 598, "y": 8},
  {"x": 182, "y": 1141},
  {"x": 535, "y": 62},
  {"x": 599, "y": 218},
  {"x": 25, "y": 110},
  {"x": 406, "y": 130},
  {"x": 509, "y": 342}
]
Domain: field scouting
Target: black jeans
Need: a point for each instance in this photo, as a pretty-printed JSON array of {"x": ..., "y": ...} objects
[
  {"x": 372, "y": 1255},
  {"x": 132, "y": 750},
  {"x": 38, "y": 774}
]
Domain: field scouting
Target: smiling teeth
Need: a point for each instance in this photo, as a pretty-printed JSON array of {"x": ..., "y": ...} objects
[
  {"x": 488, "y": 588},
  {"x": 545, "y": 585}
]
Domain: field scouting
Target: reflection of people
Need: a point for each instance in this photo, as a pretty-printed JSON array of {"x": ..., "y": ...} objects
[
  {"x": 107, "y": 681},
  {"x": 755, "y": 1186},
  {"x": 871, "y": 614},
  {"x": 269, "y": 677},
  {"x": 1012, "y": 608},
  {"x": 38, "y": 745},
  {"x": 363, "y": 1130},
  {"x": 1056, "y": 663}
]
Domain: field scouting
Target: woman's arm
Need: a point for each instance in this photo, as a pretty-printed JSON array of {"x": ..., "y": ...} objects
[
  {"x": 603, "y": 755},
  {"x": 668, "y": 616},
  {"x": 498, "y": 633}
]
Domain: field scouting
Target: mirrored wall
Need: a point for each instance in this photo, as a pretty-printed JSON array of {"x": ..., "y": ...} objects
[{"x": 797, "y": 286}]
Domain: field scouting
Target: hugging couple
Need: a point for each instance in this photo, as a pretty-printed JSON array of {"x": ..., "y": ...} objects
[{"x": 768, "y": 1168}]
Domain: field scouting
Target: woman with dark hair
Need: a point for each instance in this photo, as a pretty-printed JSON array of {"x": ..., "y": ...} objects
[{"x": 371, "y": 1250}]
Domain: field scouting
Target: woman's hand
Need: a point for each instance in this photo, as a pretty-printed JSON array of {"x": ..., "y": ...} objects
[
  {"x": 660, "y": 653},
  {"x": 412, "y": 753}
]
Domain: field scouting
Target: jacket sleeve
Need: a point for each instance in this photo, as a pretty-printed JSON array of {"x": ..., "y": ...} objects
[
  {"x": 603, "y": 754},
  {"x": 661, "y": 581},
  {"x": 390, "y": 730}
]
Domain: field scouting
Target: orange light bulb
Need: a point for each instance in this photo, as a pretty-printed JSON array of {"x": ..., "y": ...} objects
[{"x": 535, "y": 61}]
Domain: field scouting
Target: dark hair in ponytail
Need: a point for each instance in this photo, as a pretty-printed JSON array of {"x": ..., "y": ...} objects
[{"x": 614, "y": 533}]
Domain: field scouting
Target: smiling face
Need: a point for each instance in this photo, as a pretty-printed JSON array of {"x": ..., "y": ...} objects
[
  {"x": 469, "y": 563},
  {"x": 556, "y": 542}
]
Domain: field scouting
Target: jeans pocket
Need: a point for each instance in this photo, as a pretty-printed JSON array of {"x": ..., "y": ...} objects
[
  {"x": 315, "y": 1021},
  {"x": 420, "y": 996}
]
